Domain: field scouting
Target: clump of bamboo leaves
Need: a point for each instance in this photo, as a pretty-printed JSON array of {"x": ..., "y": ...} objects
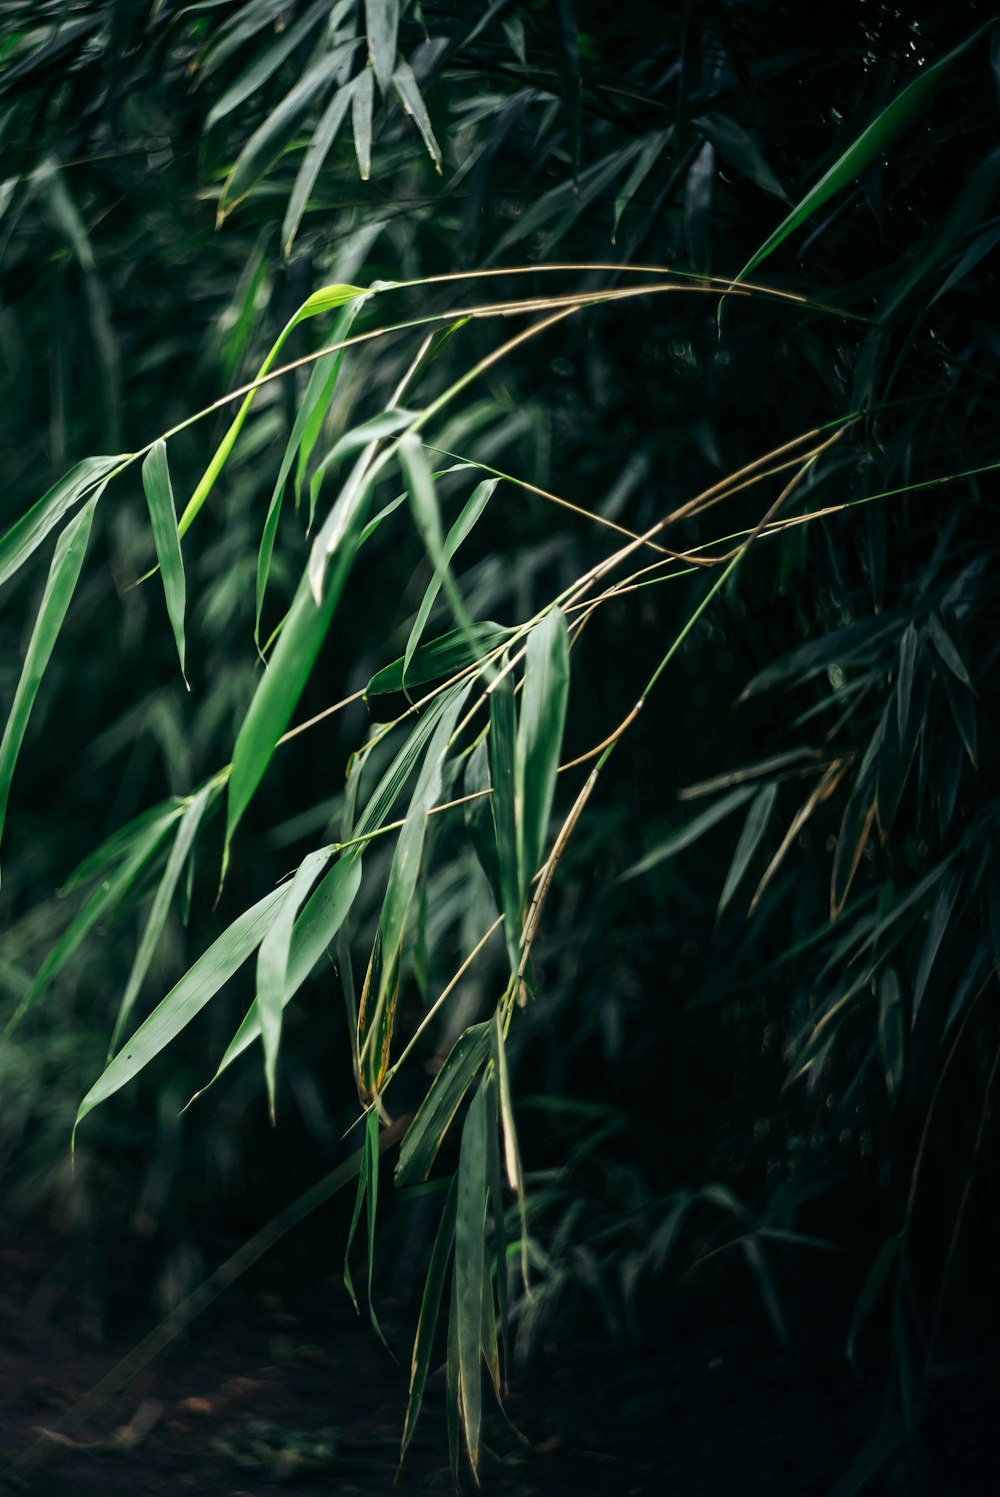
[{"x": 482, "y": 740}]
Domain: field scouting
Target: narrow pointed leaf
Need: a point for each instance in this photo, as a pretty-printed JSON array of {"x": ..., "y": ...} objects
[
  {"x": 362, "y": 105},
  {"x": 891, "y": 1031},
  {"x": 185, "y": 1000},
  {"x": 430, "y": 1308},
  {"x": 539, "y": 738},
  {"x": 906, "y": 107},
  {"x": 443, "y": 656},
  {"x": 266, "y": 63},
  {"x": 272, "y": 962},
  {"x": 470, "y": 1262},
  {"x": 456, "y": 535},
  {"x": 502, "y": 740},
  {"x": 27, "y": 534},
  {"x": 753, "y": 831},
  {"x": 187, "y": 830},
  {"x": 312, "y": 162},
  {"x": 382, "y": 23},
  {"x": 67, "y": 561},
  {"x": 163, "y": 518},
  {"x": 435, "y": 1113},
  {"x": 412, "y": 100},
  {"x": 691, "y": 831}
]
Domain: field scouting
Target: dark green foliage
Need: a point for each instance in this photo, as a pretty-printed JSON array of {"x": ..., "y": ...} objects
[{"x": 728, "y": 309}]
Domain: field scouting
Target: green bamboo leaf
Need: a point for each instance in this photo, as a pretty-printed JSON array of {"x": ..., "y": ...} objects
[
  {"x": 427, "y": 516},
  {"x": 653, "y": 147},
  {"x": 944, "y": 904},
  {"x": 67, "y": 561},
  {"x": 266, "y": 63},
  {"x": 479, "y": 817},
  {"x": 502, "y": 804},
  {"x": 539, "y": 739},
  {"x": 947, "y": 649},
  {"x": 27, "y": 534},
  {"x": 312, "y": 162},
  {"x": 121, "y": 841},
  {"x": 441, "y": 657},
  {"x": 273, "y": 959},
  {"x": 366, "y": 436},
  {"x": 740, "y": 151},
  {"x": 362, "y": 104},
  {"x": 435, "y": 1113},
  {"x": 470, "y": 1262},
  {"x": 691, "y": 831},
  {"x": 870, "y": 144},
  {"x": 871, "y": 1291},
  {"x": 401, "y": 887},
  {"x": 187, "y": 830},
  {"x": 270, "y": 139},
  {"x": 456, "y": 535},
  {"x": 112, "y": 890},
  {"x": 367, "y": 1195},
  {"x": 412, "y": 100},
  {"x": 430, "y": 1308},
  {"x": 452, "y": 1385},
  {"x": 908, "y": 648},
  {"x": 163, "y": 517},
  {"x": 314, "y": 931},
  {"x": 284, "y": 679},
  {"x": 305, "y": 430},
  {"x": 891, "y": 1031},
  {"x": 327, "y": 299},
  {"x": 382, "y": 22},
  {"x": 185, "y": 1000},
  {"x": 753, "y": 831}
]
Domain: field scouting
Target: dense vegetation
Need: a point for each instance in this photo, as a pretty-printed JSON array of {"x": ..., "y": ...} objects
[{"x": 555, "y": 446}]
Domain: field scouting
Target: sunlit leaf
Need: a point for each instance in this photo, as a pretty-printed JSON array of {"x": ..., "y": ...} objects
[{"x": 539, "y": 738}]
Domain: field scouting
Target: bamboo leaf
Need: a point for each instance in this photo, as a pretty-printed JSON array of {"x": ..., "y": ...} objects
[
  {"x": 871, "y": 1291},
  {"x": 187, "y": 830},
  {"x": 751, "y": 836},
  {"x": 502, "y": 750},
  {"x": 470, "y": 1263},
  {"x": 891, "y": 1031},
  {"x": 443, "y": 656},
  {"x": 163, "y": 518},
  {"x": 430, "y": 1308},
  {"x": 27, "y": 534},
  {"x": 947, "y": 649},
  {"x": 305, "y": 430},
  {"x": 908, "y": 647},
  {"x": 435, "y": 1113},
  {"x": 272, "y": 963},
  {"x": 270, "y": 139},
  {"x": 362, "y": 105},
  {"x": 314, "y": 931},
  {"x": 412, "y": 100},
  {"x": 266, "y": 63},
  {"x": 691, "y": 831},
  {"x": 941, "y": 912},
  {"x": 312, "y": 162},
  {"x": 427, "y": 516},
  {"x": 185, "y": 1000},
  {"x": 539, "y": 739},
  {"x": 456, "y": 535},
  {"x": 327, "y": 299},
  {"x": 64, "y": 571},
  {"x": 382, "y": 22},
  {"x": 907, "y": 106},
  {"x": 276, "y": 696}
]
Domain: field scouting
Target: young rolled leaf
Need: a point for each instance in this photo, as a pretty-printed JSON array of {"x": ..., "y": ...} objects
[
  {"x": 430, "y": 1309},
  {"x": 67, "y": 561},
  {"x": 163, "y": 517},
  {"x": 187, "y": 830},
  {"x": 539, "y": 739},
  {"x": 435, "y": 1113},
  {"x": 185, "y": 1000},
  {"x": 273, "y": 959}
]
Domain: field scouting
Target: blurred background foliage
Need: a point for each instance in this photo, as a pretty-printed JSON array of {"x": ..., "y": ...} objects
[{"x": 766, "y": 1015}]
